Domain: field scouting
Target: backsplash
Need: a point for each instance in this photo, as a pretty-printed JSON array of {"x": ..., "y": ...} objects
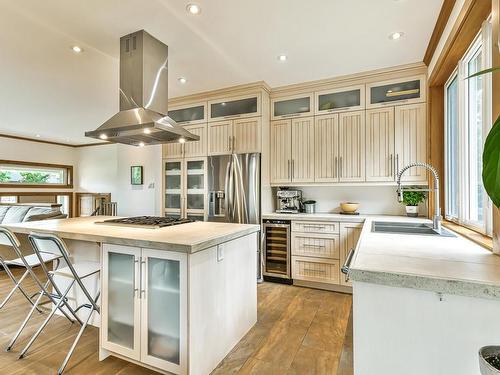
[{"x": 371, "y": 199}]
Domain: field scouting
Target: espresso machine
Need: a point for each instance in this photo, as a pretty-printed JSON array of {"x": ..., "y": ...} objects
[{"x": 288, "y": 201}]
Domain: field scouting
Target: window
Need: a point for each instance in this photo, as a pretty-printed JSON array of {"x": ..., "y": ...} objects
[
  {"x": 20, "y": 174},
  {"x": 467, "y": 121}
]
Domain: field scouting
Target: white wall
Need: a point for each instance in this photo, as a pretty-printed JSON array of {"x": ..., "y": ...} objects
[
  {"x": 106, "y": 169},
  {"x": 372, "y": 199}
]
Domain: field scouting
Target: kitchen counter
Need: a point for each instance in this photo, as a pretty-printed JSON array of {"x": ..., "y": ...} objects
[
  {"x": 316, "y": 216},
  {"x": 450, "y": 265},
  {"x": 188, "y": 238}
]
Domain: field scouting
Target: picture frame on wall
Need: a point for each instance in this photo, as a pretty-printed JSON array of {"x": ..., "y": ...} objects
[{"x": 136, "y": 175}]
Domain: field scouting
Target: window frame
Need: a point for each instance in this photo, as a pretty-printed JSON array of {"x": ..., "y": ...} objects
[
  {"x": 460, "y": 73},
  {"x": 68, "y": 184}
]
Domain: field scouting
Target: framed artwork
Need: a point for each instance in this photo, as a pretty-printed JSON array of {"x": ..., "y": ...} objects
[{"x": 136, "y": 175}]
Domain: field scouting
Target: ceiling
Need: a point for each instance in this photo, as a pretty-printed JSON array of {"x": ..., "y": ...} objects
[{"x": 48, "y": 90}]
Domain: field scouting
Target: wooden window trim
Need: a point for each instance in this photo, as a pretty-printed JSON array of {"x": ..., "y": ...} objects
[
  {"x": 69, "y": 194},
  {"x": 469, "y": 233},
  {"x": 67, "y": 185}
]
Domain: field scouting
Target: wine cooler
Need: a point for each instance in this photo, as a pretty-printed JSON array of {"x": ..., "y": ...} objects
[{"x": 277, "y": 250}]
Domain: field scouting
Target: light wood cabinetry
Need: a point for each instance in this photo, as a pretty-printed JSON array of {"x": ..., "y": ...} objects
[
  {"x": 281, "y": 151},
  {"x": 144, "y": 316},
  {"x": 326, "y": 135},
  {"x": 292, "y": 106},
  {"x": 397, "y": 91},
  {"x": 319, "y": 270},
  {"x": 189, "y": 114},
  {"x": 188, "y": 149},
  {"x": 349, "y": 236},
  {"x": 234, "y": 107},
  {"x": 411, "y": 140},
  {"x": 302, "y": 162},
  {"x": 352, "y": 146},
  {"x": 315, "y": 245},
  {"x": 343, "y": 99},
  {"x": 380, "y": 153},
  {"x": 315, "y": 227},
  {"x": 234, "y": 136},
  {"x": 172, "y": 150}
]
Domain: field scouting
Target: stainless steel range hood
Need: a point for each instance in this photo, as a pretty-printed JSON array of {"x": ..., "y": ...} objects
[{"x": 142, "y": 119}]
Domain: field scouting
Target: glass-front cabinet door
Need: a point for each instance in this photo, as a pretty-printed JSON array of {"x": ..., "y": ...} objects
[
  {"x": 341, "y": 99},
  {"x": 173, "y": 187},
  {"x": 293, "y": 106},
  {"x": 394, "y": 92},
  {"x": 189, "y": 114},
  {"x": 164, "y": 310},
  {"x": 195, "y": 187},
  {"x": 244, "y": 106},
  {"x": 120, "y": 327}
]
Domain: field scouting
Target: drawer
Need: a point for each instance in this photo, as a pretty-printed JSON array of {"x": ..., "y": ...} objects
[
  {"x": 316, "y": 245},
  {"x": 315, "y": 227},
  {"x": 316, "y": 269}
]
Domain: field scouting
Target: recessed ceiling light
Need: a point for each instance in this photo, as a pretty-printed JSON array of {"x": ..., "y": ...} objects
[
  {"x": 396, "y": 35},
  {"x": 147, "y": 131},
  {"x": 38, "y": 135},
  {"x": 103, "y": 136},
  {"x": 77, "y": 49},
  {"x": 182, "y": 80},
  {"x": 193, "y": 8},
  {"x": 182, "y": 140},
  {"x": 282, "y": 57},
  {"x": 141, "y": 144}
]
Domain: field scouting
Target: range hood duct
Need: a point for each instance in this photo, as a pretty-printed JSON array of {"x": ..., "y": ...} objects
[{"x": 142, "y": 119}]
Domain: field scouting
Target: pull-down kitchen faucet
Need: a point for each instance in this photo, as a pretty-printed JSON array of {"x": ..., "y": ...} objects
[{"x": 436, "y": 219}]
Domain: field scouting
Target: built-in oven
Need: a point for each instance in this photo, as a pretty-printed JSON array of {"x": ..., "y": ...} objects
[{"x": 276, "y": 262}]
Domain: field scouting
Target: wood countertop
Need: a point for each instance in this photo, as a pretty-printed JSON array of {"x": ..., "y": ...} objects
[{"x": 188, "y": 238}]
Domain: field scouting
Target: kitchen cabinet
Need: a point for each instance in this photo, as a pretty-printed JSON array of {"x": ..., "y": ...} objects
[
  {"x": 292, "y": 150},
  {"x": 411, "y": 140},
  {"x": 380, "y": 153},
  {"x": 193, "y": 113},
  {"x": 340, "y": 100},
  {"x": 292, "y": 106},
  {"x": 302, "y": 162},
  {"x": 396, "y": 91},
  {"x": 349, "y": 236},
  {"x": 185, "y": 188},
  {"x": 326, "y": 150},
  {"x": 352, "y": 146},
  {"x": 238, "y": 136},
  {"x": 281, "y": 151},
  {"x": 188, "y": 149},
  {"x": 235, "y": 107},
  {"x": 144, "y": 306}
]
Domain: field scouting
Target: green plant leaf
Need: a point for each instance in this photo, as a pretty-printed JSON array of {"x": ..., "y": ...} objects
[
  {"x": 481, "y": 72},
  {"x": 491, "y": 163}
]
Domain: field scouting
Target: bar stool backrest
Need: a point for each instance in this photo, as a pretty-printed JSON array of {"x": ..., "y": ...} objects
[
  {"x": 7, "y": 238},
  {"x": 48, "y": 243}
]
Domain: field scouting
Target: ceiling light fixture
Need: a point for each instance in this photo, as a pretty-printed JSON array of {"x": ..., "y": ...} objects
[
  {"x": 396, "y": 35},
  {"x": 103, "y": 136},
  {"x": 282, "y": 57},
  {"x": 182, "y": 80},
  {"x": 141, "y": 144},
  {"x": 77, "y": 49},
  {"x": 182, "y": 140},
  {"x": 38, "y": 135},
  {"x": 147, "y": 131},
  {"x": 193, "y": 8}
]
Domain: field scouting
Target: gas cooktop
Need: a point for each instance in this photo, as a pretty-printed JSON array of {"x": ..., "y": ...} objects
[{"x": 152, "y": 222}]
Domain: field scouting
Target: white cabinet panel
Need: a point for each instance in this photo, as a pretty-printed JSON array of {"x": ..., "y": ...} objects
[
  {"x": 352, "y": 146},
  {"x": 411, "y": 140},
  {"x": 380, "y": 156},
  {"x": 281, "y": 151},
  {"x": 326, "y": 138},
  {"x": 246, "y": 136},
  {"x": 303, "y": 149},
  {"x": 172, "y": 150},
  {"x": 196, "y": 148}
]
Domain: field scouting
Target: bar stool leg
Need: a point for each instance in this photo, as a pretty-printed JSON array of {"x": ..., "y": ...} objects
[
  {"x": 68, "y": 356},
  {"x": 37, "y": 333},
  {"x": 17, "y": 286}
]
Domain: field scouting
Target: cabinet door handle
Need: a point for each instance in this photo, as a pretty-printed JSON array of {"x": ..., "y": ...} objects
[
  {"x": 288, "y": 168},
  {"x": 233, "y": 142},
  {"x": 336, "y": 168},
  {"x": 314, "y": 246},
  {"x": 293, "y": 169},
  {"x": 143, "y": 278},
  {"x": 397, "y": 164},
  {"x": 341, "y": 167},
  {"x": 229, "y": 143},
  {"x": 390, "y": 164},
  {"x": 137, "y": 273}
]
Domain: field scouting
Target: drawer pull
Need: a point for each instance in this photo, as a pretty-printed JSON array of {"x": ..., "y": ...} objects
[
  {"x": 311, "y": 245},
  {"x": 346, "y": 267},
  {"x": 314, "y": 227}
]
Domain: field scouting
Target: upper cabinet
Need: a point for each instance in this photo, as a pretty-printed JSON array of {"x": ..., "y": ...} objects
[
  {"x": 342, "y": 99},
  {"x": 192, "y": 148},
  {"x": 397, "y": 91},
  {"x": 380, "y": 154},
  {"x": 238, "y": 136},
  {"x": 189, "y": 114},
  {"x": 236, "y": 107},
  {"x": 292, "y": 106}
]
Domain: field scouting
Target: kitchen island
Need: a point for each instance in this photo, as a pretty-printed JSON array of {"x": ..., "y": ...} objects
[{"x": 174, "y": 299}]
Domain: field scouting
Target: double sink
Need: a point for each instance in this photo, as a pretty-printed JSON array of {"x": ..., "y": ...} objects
[{"x": 408, "y": 228}]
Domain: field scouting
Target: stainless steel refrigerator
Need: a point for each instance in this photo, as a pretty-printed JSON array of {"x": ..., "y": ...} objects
[{"x": 234, "y": 191}]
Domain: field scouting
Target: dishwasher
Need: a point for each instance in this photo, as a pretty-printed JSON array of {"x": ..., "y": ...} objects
[{"x": 277, "y": 251}]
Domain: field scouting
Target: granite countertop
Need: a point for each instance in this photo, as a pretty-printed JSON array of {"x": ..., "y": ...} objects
[
  {"x": 188, "y": 238},
  {"x": 452, "y": 265}
]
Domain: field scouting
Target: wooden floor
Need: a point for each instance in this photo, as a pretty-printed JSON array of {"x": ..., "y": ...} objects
[{"x": 299, "y": 331}]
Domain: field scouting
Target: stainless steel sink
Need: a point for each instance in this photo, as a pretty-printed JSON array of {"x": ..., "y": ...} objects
[{"x": 408, "y": 228}]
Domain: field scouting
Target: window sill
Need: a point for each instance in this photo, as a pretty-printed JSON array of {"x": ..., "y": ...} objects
[{"x": 470, "y": 234}]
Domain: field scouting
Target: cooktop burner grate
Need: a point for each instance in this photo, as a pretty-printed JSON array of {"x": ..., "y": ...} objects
[{"x": 146, "y": 221}]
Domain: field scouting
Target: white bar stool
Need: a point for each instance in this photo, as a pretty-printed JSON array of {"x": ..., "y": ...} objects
[{"x": 76, "y": 272}]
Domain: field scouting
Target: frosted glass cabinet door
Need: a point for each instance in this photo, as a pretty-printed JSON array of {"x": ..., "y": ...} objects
[
  {"x": 164, "y": 310},
  {"x": 120, "y": 304},
  {"x": 173, "y": 184},
  {"x": 195, "y": 184}
]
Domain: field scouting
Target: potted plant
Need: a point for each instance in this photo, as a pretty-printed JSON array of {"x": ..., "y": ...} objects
[{"x": 412, "y": 199}]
